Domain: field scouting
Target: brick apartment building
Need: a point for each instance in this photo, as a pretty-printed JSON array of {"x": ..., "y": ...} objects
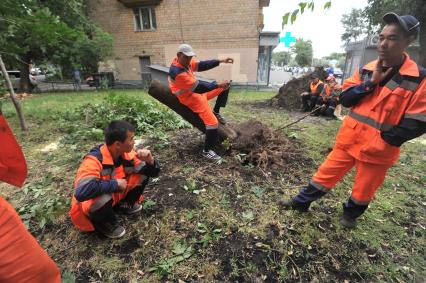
[{"x": 148, "y": 32}]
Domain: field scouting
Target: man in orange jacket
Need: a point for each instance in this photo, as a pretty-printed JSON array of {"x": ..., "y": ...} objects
[
  {"x": 22, "y": 259},
  {"x": 195, "y": 94},
  {"x": 329, "y": 98},
  {"x": 387, "y": 98},
  {"x": 111, "y": 175},
  {"x": 312, "y": 94}
]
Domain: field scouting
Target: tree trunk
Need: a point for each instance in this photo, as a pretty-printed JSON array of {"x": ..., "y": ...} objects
[
  {"x": 12, "y": 96},
  {"x": 422, "y": 41},
  {"x": 163, "y": 94},
  {"x": 418, "y": 9},
  {"x": 24, "y": 80}
]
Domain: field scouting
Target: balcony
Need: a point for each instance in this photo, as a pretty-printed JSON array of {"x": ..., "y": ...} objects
[{"x": 139, "y": 3}]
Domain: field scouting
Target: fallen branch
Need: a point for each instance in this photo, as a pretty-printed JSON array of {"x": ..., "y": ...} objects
[{"x": 300, "y": 119}]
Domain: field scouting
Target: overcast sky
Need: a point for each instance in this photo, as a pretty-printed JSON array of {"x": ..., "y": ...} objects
[{"x": 323, "y": 27}]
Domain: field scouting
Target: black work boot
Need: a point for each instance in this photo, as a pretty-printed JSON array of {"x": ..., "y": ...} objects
[
  {"x": 351, "y": 211},
  {"x": 347, "y": 221},
  {"x": 105, "y": 222},
  {"x": 110, "y": 229},
  {"x": 294, "y": 205},
  {"x": 129, "y": 208}
]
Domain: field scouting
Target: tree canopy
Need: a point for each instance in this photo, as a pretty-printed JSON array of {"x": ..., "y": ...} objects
[
  {"x": 304, "y": 52},
  {"x": 372, "y": 16},
  {"x": 281, "y": 58},
  {"x": 54, "y": 31},
  {"x": 355, "y": 25}
]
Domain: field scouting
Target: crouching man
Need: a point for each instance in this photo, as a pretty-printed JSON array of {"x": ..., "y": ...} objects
[{"x": 112, "y": 175}]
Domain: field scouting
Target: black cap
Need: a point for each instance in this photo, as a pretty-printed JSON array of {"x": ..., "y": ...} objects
[
  {"x": 314, "y": 76},
  {"x": 408, "y": 23}
]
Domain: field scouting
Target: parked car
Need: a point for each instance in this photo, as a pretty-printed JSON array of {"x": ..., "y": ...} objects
[
  {"x": 15, "y": 77},
  {"x": 37, "y": 75}
]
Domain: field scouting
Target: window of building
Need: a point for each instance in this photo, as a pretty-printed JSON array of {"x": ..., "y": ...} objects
[{"x": 144, "y": 19}]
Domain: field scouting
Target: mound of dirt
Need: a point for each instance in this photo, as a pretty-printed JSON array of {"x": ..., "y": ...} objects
[
  {"x": 289, "y": 94},
  {"x": 260, "y": 145}
]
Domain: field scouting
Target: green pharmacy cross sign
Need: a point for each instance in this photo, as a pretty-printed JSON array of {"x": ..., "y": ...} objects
[{"x": 287, "y": 39}]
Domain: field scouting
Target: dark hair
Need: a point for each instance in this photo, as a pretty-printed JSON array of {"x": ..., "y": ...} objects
[{"x": 117, "y": 131}]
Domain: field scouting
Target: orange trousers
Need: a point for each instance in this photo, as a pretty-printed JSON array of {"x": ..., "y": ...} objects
[
  {"x": 368, "y": 176},
  {"x": 21, "y": 257},
  {"x": 198, "y": 103}
]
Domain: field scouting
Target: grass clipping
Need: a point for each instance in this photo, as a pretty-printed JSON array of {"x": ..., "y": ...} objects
[{"x": 264, "y": 147}]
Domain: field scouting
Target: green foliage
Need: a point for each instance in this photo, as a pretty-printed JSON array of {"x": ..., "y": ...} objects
[
  {"x": 148, "y": 204},
  {"x": 181, "y": 251},
  {"x": 377, "y": 8},
  {"x": 191, "y": 186},
  {"x": 148, "y": 118},
  {"x": 304, "y": 52},
  {"x": 248, "y": 216},
  {"x": 46, "y": 204},
  {"x": 281, "y": 58},
  {"x": 209, "y": 234},
  {"x": 258, "y": 191},
  {"x": 310, "y": 5},
  {"x": 355, "y": 25},
  {"x": 321, "y": 62},
  {"x": 54, "y": 32},
  {"x": 2, "y": 89},
  {"x": 68, "y": 277}
]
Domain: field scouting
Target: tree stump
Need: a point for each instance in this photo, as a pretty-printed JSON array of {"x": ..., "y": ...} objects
[{"x": 163, "y": 94}]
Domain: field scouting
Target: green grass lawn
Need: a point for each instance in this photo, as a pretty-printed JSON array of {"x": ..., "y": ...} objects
[{"x": 215, "y": 223}]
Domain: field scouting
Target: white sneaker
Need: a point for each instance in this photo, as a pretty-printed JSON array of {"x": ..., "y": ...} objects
[{"x": 210, "y": 154}]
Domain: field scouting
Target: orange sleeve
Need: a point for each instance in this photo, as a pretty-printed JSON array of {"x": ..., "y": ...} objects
[
  {"x": 13, "y": 167},
  {"x": 417, "y": 107},
  {"x": 89, "y": 168},
  {"x": 354, "y": 80}
]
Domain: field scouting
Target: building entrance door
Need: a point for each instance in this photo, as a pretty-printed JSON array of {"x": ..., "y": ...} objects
[{"x": 144, "y": 62}]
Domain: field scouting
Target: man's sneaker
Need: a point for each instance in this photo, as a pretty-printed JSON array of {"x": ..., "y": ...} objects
[
  {"x": 347, "y": 222},
  {"x": 210, "y": 154},
  {"x": 292, "y": 204},
  {"x": 129, "y": 208},
  {"x": 220, "y": 118},
  {"x": 110, "y": 230}
]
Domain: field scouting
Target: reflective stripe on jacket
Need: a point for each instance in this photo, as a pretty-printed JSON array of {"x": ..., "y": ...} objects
[{"x": 403, "y": 96}]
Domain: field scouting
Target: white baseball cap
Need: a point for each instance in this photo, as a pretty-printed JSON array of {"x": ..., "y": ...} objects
[{"x": 186, "y": 49}]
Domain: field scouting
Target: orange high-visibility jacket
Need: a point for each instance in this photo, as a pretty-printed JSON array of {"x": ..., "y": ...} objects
[
  {"x": 22, "y": 259},
  {"x": 314, "y": 87},
  {"x": 326, "y": 92},
  {"x": 13, "y": 167},
  {"x": 99, "y": 165},
  {"x": 183, "y": 83},
  {"x": 403, "y": 97}
]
